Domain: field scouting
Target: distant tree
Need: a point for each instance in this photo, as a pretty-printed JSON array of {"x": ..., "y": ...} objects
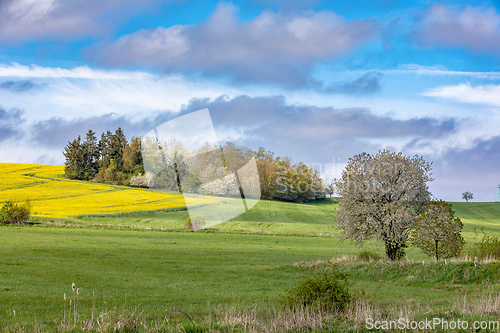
[
  {"x": 467, "y": 196},
  {"x": 105, "y": 150},
  {"x": 268, "y": 172},
  {"x": 381, "y": 197},
  {"x": 117, "y": 148},
  {"x": 91, "y": 154},
  {"x": 132, "y": 157},
  {"x": 437, "y": 231},
  {"x": 74, "y": 166}
]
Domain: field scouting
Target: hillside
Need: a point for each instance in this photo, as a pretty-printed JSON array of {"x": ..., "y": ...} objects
[
  {"x": 55, "y": 196},
  {"x": 478, "y": 217}
]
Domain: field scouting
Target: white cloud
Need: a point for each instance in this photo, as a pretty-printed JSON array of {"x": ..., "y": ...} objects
[
  {"x": 465, "y": 93},
  {"x": 415, "y": 69},
  {"x": 84, "y": 92},
  {"x": 82, "y": 72}
]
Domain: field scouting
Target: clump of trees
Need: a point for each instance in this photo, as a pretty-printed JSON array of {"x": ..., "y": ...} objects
[
  {"x": 437, "y": 231},
  {"x": 15, "y": 213},
  {"x": 112, "y": 158},
  {"x": 281, "y": 179},
  {"x": 225, "y": 171},
  {"x": 381, "y": 197}
]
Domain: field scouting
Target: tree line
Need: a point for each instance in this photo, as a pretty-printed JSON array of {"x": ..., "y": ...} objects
[{"x": 208, "y": 170}]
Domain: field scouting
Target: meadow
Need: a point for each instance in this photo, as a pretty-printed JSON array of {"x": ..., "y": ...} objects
[{"x": 141, "y": 270}]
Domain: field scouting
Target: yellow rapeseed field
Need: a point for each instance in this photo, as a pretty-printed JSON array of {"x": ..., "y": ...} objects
[{"x": 53, "y": 195}]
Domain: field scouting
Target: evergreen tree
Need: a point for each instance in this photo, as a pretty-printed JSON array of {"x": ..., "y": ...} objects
[
  {"x": 90, "y": 149},
  {"x": 105, "y": 150},
  {"x": 75, "y": 159},
  {"x": 117, "y": 145}
]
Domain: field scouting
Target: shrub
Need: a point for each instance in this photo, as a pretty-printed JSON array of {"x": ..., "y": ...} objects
[
  {"x": 139, "y": 180},
  {"x": 368, "y": 255},
  {"x": 13, "y": 213},
  {"x": 327, "y": 291},
  {"x": 488, "y": 247}
]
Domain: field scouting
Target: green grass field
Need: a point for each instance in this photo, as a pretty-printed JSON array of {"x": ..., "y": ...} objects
[{"x": 149, "y": 262}]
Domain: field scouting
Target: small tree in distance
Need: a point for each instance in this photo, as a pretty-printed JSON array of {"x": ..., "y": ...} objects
[
  {"x": 437, "y": 231},
  {"x": 381, "y": 197},
  {"x": 467, "y": 196}
]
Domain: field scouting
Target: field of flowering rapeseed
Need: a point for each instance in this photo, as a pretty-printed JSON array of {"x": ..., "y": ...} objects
[{"x": 53, "y": 195}]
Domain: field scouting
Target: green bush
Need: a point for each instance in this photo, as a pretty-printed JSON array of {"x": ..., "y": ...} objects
[
  {"x": 13, "y": 213},
  {"x": 488, "y": 247},
  {"x": 368, "y": 255},
  {"x": 327, "y": 291}
]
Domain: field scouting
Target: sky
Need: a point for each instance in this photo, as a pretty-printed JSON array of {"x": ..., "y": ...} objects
[{"x": 316, "y": 81}]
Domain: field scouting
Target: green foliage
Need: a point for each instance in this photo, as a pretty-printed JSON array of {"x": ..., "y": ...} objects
[
  {"x": 112, "y": 159},
  {"x": 13, "y": 213},
  {"x": 488, "y": 247},
  {"x": 437, "y": 231},
  {"x": 368, "y": 255},
  {"x": 327, "y": 291}
]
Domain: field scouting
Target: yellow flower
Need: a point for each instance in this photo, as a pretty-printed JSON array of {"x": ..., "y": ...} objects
[{"x": 53, "y": 195}]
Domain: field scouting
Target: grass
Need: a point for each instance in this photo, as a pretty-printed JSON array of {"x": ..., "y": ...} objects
[
  {"x": 478, "y": 218},
  {"x": 156, "y": 270},
  {"x": 143, "y": 267}
]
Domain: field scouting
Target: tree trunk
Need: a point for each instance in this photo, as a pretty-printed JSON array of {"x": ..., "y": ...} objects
[
  {"x": 436, "y": 251},
  {"x": 177, "y": 178},
  {"x": 391, "y": 251}
]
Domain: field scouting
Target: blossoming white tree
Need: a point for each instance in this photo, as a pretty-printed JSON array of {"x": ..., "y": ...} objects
[{"x": 381, "y": 197}]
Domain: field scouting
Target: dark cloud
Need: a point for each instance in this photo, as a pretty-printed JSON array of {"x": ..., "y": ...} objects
[
  {"x": 475, "y": 29},
  {"x": 273, "y": 47},
  {"x": 273, "y": 117},
  {"x": 367, "y": 84},
  {"x": 56, "y": 132},
  {"x": 311, "y": 133},
  {"x": 10, "y": 120},
  {"x": 52, "y": 19},
  {"x": 17, "y": 86}
]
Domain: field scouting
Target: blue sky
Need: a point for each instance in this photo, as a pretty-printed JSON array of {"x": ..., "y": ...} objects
[{"x": 318, "y": 81}]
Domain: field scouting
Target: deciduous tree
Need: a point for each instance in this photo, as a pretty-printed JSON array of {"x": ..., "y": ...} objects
[
  {"x": 381, "y": 197},
  {"x": 437, "y": 231},
  {"x": 467, "y": 196}
]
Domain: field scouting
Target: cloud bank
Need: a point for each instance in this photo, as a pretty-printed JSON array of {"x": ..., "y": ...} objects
[{"x": 275, "y": 47}]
